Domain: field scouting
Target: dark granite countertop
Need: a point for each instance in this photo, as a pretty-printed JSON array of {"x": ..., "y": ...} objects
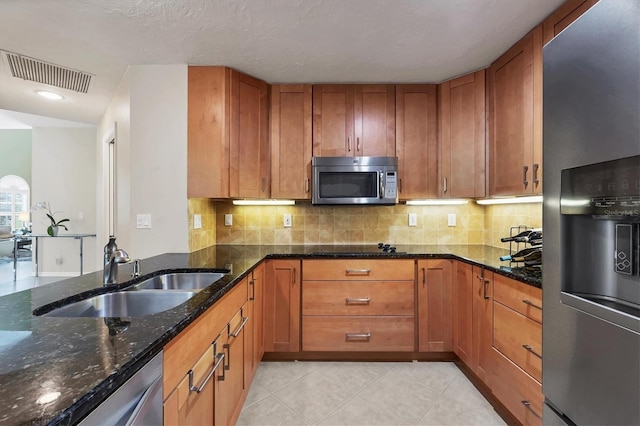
[{"x": 83, "y": 360}]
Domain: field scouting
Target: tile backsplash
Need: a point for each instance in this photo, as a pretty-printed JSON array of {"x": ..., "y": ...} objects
[{"x": 357, "y": 225}]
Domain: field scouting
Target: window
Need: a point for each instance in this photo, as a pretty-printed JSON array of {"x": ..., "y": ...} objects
[{"x": 14, "y": 202}]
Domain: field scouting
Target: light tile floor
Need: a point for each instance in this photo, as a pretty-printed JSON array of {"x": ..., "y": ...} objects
[
  {"x": 25, "y": 278},
  {"x": 364, "y": 393}
]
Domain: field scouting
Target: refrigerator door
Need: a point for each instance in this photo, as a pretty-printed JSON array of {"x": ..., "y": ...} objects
[{"x": 591, "y": 114}]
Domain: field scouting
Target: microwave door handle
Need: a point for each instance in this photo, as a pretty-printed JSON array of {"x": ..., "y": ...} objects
[{"x": 381, "y": 185}]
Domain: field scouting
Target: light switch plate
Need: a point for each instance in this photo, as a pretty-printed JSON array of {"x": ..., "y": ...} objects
[
  {"x": 287, "y": 221},
  {"x": 413, "y": 219},
  {"x": 197, "y": 221},
  {"x": 451, "y": 219},
  {"x": 228, "y": 219},
  {"x": 143, "y": 221}
]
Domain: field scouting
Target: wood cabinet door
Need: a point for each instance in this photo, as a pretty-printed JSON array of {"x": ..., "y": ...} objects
[
  {"x": 208, "y": 132},
  {"x": 249, "y": 149},
  {"x": 463, "y": 312},
  {"x": 482, "y": 323},
  {"x": 254, "y": 333},
  {"x": 515, "y": 118},
  {"x": 560, "y": 19},
  {"x": 375, "y": 120},
  {"x": 435, "y": 322},
  {"x": 462, "y": 137},
  {"x": 291, "y": 141},
  {"x": 282, "y": 306},
  {"x": 416, "y": 140},
  {"x": 333, "y": 131}
]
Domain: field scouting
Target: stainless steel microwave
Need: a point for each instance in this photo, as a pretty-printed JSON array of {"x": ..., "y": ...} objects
[{"x": 354, "y": 180}]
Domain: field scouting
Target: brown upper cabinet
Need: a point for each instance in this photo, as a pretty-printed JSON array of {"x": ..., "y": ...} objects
[
  {"x": 227, "y": 114},
  {"x": 514, "y": 83},
  {"x": 291, "y": 141},
  {"x": 354, "y": 120},
  {"x": 462, "y": 137},
  {"x": 417, "y": 140},
  {"x": 568, "y": 12}
]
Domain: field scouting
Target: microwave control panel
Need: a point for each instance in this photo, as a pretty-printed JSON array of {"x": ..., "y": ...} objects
[{"x": 391, "y": 184}]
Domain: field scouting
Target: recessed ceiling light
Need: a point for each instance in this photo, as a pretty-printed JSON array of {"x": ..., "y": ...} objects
[{"x": 49, "y": 95}]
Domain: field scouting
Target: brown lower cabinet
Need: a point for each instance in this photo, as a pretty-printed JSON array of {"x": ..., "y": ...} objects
[{"x": 493, "y": 323}]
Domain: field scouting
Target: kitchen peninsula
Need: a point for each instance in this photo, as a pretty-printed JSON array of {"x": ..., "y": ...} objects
[{"x": 84, "y": 360}]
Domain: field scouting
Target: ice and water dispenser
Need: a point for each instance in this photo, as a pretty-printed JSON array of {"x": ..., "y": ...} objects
[{"x": 600, "y": 207}]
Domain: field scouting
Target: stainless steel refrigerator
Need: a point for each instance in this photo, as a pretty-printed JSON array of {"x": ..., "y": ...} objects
[{"x": 591, "y": 218}]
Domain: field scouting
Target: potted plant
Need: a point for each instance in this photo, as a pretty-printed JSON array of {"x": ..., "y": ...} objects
[{"x": 52, "y": 229}]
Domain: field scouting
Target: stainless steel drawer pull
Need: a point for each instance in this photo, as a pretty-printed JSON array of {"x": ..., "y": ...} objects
[
  {"x": 358, "y": 300},
  {"x": 530, "y": 349},
  {"x": 358, "y": 336},
  {"x": 530, "y": 303},
  {"x": 358, "y": 271},
  {"x": 444, "y": 185},
  {"x": 358, "y": 144},
  {"x": 240, "y": 327},
  {"x": 192, "y": 388},
  {"x": 528, "y": 405}
]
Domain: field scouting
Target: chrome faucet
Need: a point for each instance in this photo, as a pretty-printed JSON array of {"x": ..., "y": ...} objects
[{"x": 112, "y": 257}]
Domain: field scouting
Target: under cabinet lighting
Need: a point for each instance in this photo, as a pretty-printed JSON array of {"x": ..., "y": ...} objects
[
  {"x": 513, "y": 200},
  {"x": 264, "y": 202},
  {"x": 50, "y": 95},
  {"x": 450, "y": 202}
]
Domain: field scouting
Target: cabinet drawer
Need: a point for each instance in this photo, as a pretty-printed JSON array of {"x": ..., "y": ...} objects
[
  {"x": 358, "y": 269},
  {"x": 358, "y": 298},
  {"x": 185, "y": 349},
  {"x": 520, "y": 297},
  {"x": 519, "y": 339},
  {"x": 358, "y": 334},
  {"x": 521, "y": 394}
]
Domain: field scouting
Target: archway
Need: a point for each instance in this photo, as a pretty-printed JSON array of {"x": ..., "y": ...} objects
[{"x": 14, "y": 202}]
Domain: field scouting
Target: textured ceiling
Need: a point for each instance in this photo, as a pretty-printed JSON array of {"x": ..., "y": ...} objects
[{"x": 276, "y": 40}]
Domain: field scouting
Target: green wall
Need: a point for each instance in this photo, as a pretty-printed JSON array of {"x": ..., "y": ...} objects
[{"x": 15, "y": 153}]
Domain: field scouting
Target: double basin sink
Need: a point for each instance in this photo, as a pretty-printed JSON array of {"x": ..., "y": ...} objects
[{"x": 151, "y": 296}]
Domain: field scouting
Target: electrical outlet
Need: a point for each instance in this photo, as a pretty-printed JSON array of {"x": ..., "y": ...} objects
[
  {"x": 197, "y": 221},
  {"x": 413, "y": 219},
  {"x": 143, "y": 221},
  {"x": 451, "y": 219},
  {"x": 58, "y": 260},
  {"x": 228, "y": 219},
  {"x": 287, "y": 221}
]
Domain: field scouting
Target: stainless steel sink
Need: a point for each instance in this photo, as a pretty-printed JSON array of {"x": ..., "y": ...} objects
[
  {"x": 123, "y": 304},
  {"x": 194, "y": 281}
]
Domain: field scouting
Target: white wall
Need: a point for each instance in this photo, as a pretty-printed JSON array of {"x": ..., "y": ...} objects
[
  {"x": 150, "y": 109},
  {"x": 63, "y": 174}
]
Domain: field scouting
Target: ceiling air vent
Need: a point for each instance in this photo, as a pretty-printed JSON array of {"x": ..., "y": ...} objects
[{"x": 32, "y": 69}]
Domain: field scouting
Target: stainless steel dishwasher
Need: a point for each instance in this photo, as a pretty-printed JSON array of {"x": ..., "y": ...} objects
[{"x": 137, "y": 402}]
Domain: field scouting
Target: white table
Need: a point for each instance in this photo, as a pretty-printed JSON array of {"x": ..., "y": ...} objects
[{"x": 80, "y": 237}]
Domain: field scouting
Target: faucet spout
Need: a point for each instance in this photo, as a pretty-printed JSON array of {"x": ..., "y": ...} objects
[{"x": 112, "y": 257}]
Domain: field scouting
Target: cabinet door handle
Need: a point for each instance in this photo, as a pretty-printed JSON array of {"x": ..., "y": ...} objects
[
  {"x": 400, "y": 185},
  {"x": 198, "y": 389},
  {"x": 238, "y": 330},
  {"x": 227, "y": 366},
  {"x": 528, "y": 405},
  {"x": 358, "y": 336},
  {"x": 444, "y": 185},
  {"x": 485, "y": 284},
  {"x": 294, "y": 275},
  {"x": 530, "y": 349},
  {"x": 252, "y": 283},
  {"x": 535, "y": 173},
  {"x": 262, "y": 184},
  {"x": 357, "y": 144},
  {"x": 424, "y": 276},
  {"x": 358, "y": 300},
  {"x": 349, "y": 144},
  {"x": 306, "y": 185},
  {"x": 530, "y": 303},
  {"x": 358, "y": 271},
  {"x": 525, "y": 169}
]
